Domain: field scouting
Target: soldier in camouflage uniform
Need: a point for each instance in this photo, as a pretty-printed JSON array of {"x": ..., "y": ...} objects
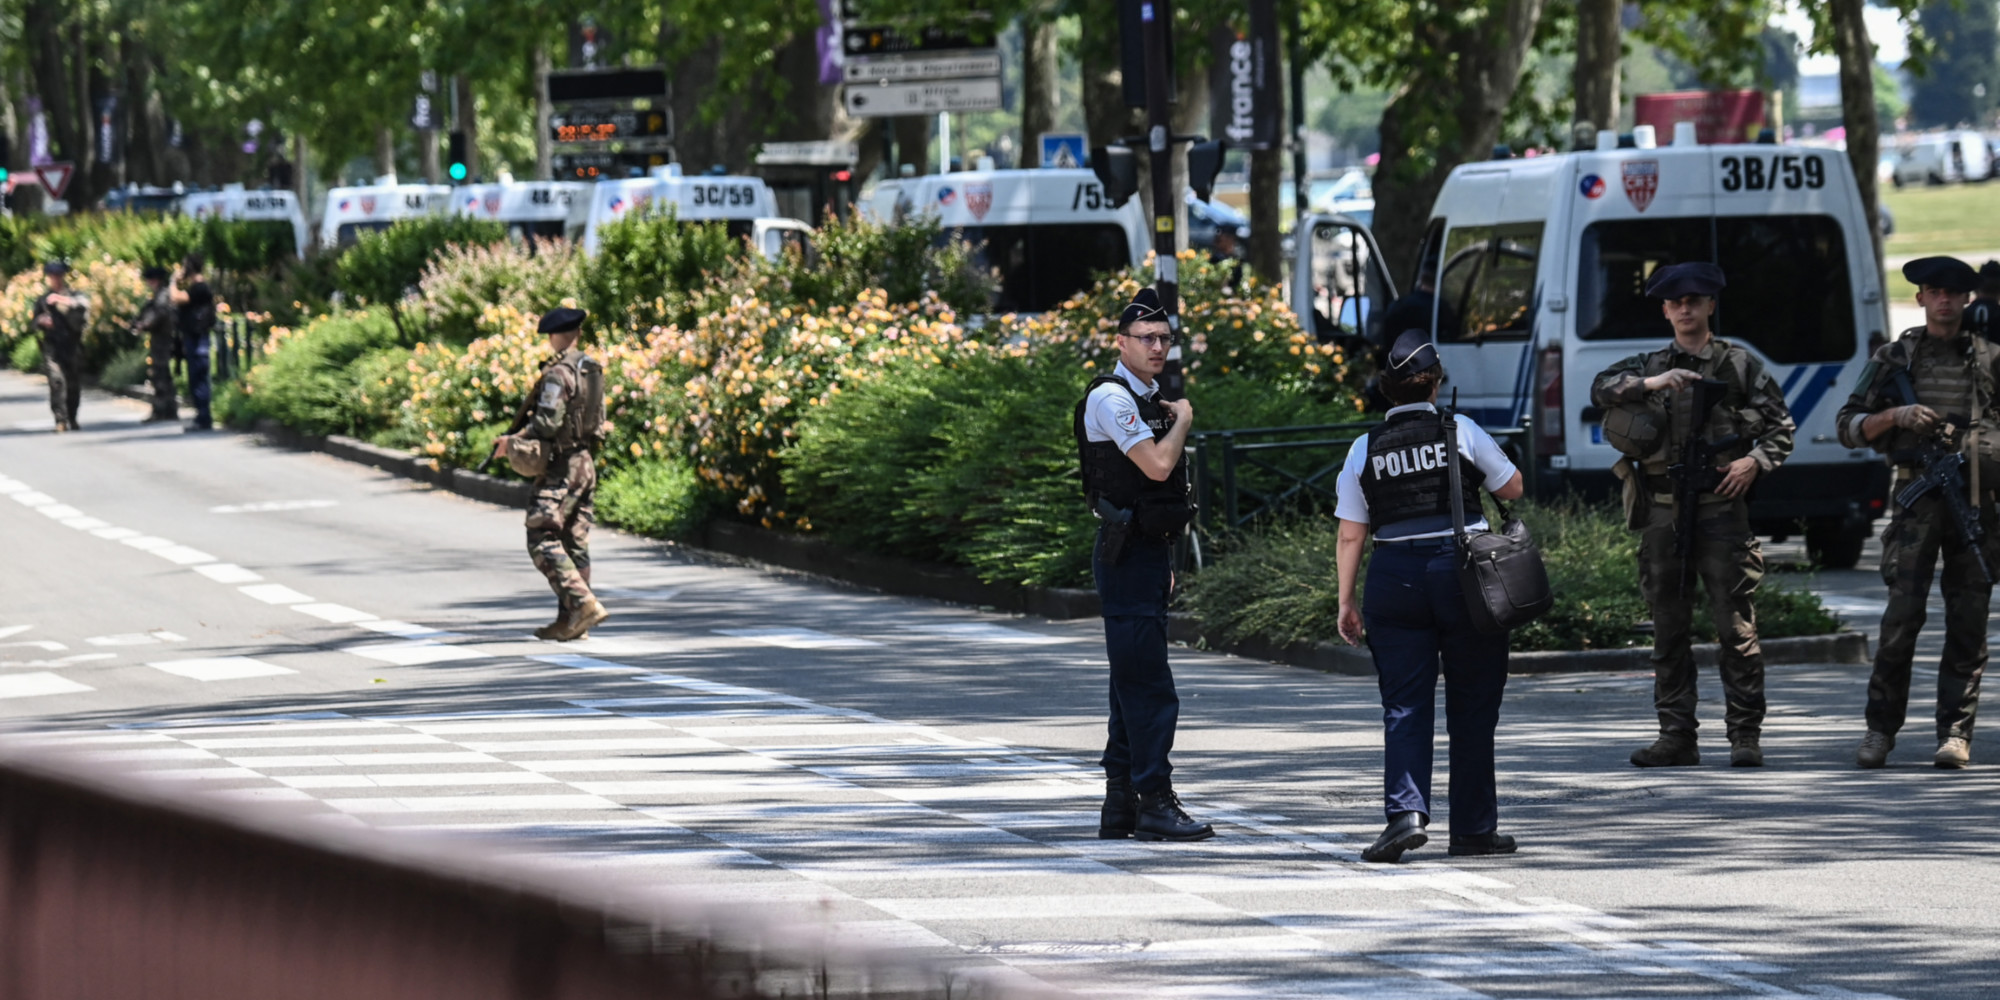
[
  {"x": 567, "y": 420},
  {"x": 1727, "y": 558},
  {"x": 155, "y": 323},
  {"x": 1953, "y": 372},
  {"x": 60, "y": 317}
]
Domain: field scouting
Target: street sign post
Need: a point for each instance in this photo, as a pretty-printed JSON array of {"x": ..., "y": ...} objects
[
  {"x": 1063, "y": 150},
  {"x": 898, "y": 69},
  {"x": 888, "y": 100}
]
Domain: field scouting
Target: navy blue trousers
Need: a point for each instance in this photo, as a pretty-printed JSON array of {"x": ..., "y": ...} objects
[
  {"x": 1417, "y": 628},
  {"x": 1144, "y": 707},
  {"x": 196, "y": 350}
]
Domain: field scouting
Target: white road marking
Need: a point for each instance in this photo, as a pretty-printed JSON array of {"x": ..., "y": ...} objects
[
  {"x": 265, "y": 742},
  {"x": 135, "y": 639},
  {"x": 728, "y": 761},
  {"x": 988, "y": 632},
  {"x": 85, "y": 523},
  {"x": 59, "y": 511},
  {"x": 275, "y": 593},
  {"x": 471, "y": 803},
  {"x": 609, "y": 743},
  {"x": 13, "y": 630},
  {"x": 33, "y": 498},
  {"x": 339, "y": 614},
  {"x": 38, "y": 684},
  {"x": 575, "y": 662},
  {"x": 184, "y": 556},
  {"x": 149, "y": 543},
  {"x": 65, "y": 661},
  {"x": 115, "y": 533},
  {"x": 416, "y": 653},
  {"x": 596, "y": 724},
  {"x": 227, "y": 573},
  {"x": 365, "y": 759},
  {"x": 390, "y": 626},
  {"x": 197, "y": 773},
  {"x": 264, "y": 794},
  {"x": 438, "y": 779},
  {"x": 220, "y": 668},
  {"x": 48, "y": 644},
  {"x": 272, "y": 506},
  {"x": 165, "y": 636},
  {"x": 796, "y": 638}
]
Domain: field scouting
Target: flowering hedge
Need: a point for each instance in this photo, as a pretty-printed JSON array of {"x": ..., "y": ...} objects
[{"x": 115, "y": 293}]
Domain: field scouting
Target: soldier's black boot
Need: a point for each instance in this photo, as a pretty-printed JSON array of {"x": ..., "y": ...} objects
[
  {"x": 1404, "y": 833},
  {"x": 1120, "y": 812},
  {"x": 1744, "y": 750},
  {"x": 1162, "y": 818},
  {"x": 1481, "y": 845},
  {"x": 1674, "y": 748}
]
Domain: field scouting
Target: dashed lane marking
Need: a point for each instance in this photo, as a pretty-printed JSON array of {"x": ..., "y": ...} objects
[
  {"x": 415, "y": 653},
  {"x": 339, "y": 614},
  {"x": 37, "y": 684},
  {"x": 220, "y": 668},
  {"x": 796, "y": 638},
  {"x": 228, "y": 573},
  {"x": 272, "y": 506},
  {"x": 49, "y": 645},
  {"x": 275, "y": 593}
]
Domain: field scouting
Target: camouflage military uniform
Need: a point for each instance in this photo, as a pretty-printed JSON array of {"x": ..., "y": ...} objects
[
  {"x": 568, "y": 415},
  {"x": 155, "y": 322},
  {"x": 1955, "y": 377},
  {"x": 1727, "y": 558},
  {"x": 62, "y": 353}
]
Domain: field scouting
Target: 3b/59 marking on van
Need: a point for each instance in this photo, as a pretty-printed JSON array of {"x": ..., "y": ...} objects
[{"x": 1750, "y": 173}]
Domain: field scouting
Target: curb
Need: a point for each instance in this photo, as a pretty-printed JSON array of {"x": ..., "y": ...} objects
[{"x": 952, "y": 584}]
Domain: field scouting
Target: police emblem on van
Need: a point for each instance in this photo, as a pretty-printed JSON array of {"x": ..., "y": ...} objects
[
  {"x": 367, "y": 206},
  {"x": 979, "y": 198},
  {"x": 1642, "y": 181},
  {"x": 492, "y": 203}
]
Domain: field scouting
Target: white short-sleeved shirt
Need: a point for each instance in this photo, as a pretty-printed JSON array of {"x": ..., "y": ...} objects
[
  {"x": 1112, "y": 415},
  {"x": 1473, "y": 443}
]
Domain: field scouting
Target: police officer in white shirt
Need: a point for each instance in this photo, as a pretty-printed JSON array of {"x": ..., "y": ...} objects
[
  {"x": 1132, "y": 447},
  {"x": 1395, "y": 485}
]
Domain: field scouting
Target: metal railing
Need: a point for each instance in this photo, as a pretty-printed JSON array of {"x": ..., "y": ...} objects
[
  {"x": 1240, "y": 476},
  {"x": 234, "y": 348}
]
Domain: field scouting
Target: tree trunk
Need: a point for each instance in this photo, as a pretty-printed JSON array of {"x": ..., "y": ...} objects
[
  {"x": 1857, "y": 108},
  {"x": 544, "y": 162},
  {"x": 53, "y": 83},
  {"x": 1436, "y": 121},
  {"x": 1105, "y": 116},
  {"x": 385, "y": 150},
  {"x": 1041, "y": 72},
  {"x": 82, "y": 183},
  {"x": 1267, "y": 182},
  {"x": 913, "y": 143},
  {"x": 301, "y": 173},
  {"x": 467, "y": 123},
  {"x": 1595, "y": 77}
]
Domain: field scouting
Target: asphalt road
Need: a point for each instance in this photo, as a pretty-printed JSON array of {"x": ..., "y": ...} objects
[{"x": 292, "y": 632}]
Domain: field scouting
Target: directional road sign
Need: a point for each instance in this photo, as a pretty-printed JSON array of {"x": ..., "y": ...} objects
[
  {"x": 888, "y": 100},
  {"x": 944, "y": 66}
]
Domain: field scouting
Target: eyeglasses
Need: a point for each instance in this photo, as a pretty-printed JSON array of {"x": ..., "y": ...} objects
[{"x": 1152, "y": 340}]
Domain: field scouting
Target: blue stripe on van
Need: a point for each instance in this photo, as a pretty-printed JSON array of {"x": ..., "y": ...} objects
[
  {"x": 1792, "y": 381},
  {"x": 1822, "y": 379}
]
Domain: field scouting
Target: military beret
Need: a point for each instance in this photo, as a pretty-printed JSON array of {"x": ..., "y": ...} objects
[
  {"x": 1413, "y": 353},
  {"x": 561, "y": 321},
  {"x": 1948, "y": 273},
  {"x": 1695, "y": 277},
  {"x": 1144, "y": 306},
  {"x": 56, "y": 267},
  {"x": 153, "y": 272},
  {"x": 1989, "y": 273}
]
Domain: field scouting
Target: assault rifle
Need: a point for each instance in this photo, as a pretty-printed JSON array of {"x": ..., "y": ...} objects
[
  {"x": 1942, "y": 470},
  {"x": 1696, "y": 473}
]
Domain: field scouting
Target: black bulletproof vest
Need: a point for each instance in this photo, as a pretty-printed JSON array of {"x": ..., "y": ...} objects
[
  {"x": 1109, "y": 474},
  {"x": 1405, "y": 478}
]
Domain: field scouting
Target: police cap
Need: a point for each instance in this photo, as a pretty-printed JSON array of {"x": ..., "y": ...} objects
[
  {"x": 56, "y": 267},
  {"x": 1143, "y": 307},
  {"x": 1948, "y": 273},
  {"x": 1696, "y": 277},
  {"x": 1412, "y": 354},
  {"x": 561, "y": 321},
  {"x": 153, "y": 272}
]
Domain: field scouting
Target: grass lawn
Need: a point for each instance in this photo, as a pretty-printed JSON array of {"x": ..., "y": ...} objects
[{"x": 1962, "y": 220}]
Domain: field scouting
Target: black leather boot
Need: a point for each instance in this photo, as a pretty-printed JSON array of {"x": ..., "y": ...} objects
[
  {"x": 1162, "y": 818},
  {"x": 1404, "y": 833},
  {"x": 1480, "y": 845},
  {"x": 1120, "y": 812}
]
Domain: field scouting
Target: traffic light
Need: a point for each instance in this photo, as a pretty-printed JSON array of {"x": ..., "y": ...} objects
[
  {"x": 455, "y": 162},
  {"x": 1117, "y": 168},
  {"x": 1204, "y": 162}
]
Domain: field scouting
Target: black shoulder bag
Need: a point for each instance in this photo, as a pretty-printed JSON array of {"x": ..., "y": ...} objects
[{"x": 1501, "y": 572}]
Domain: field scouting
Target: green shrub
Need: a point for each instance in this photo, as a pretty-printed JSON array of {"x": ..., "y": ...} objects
[
  {"x": 1279, "y": 582},
  {"x": 308, "y": 380},
  {"x": 661, "y": 498},
  {"x": 463, "y": 281},
  {"x": 126, "y": 368},
  {"x": 26, "y": 355},
  {"x": 855, "y": 255},
  {"x": 648, "y": 269},
  {"x": 381, "y": 266}
]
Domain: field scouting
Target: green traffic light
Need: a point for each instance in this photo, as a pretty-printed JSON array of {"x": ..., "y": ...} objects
[{"x": 458, "y": 171}]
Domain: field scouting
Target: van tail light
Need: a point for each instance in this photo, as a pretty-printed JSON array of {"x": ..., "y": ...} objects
[{"x": 1549, "y": 438}]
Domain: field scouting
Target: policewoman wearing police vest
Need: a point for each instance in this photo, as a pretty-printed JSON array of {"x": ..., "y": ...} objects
[
  {"x": 1133, "y": 450},
  {"x": 1395, "y": 485}
]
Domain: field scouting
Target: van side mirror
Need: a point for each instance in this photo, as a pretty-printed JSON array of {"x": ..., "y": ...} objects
[{"x": 1118, "y": 170}]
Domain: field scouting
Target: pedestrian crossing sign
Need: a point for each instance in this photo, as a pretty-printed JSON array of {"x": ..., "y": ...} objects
[{"x": 1062, "y": 150}]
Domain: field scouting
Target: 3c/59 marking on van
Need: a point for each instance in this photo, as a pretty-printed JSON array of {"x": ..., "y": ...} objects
[
  {"x": 1088, "y": 196},
  {"x": 723, "y": 194},
  {"x": 1751, "y": 173}
]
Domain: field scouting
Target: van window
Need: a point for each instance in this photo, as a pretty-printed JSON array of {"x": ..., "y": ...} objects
[
  {"x": 1789, "y": 294},
  {"x": 1487, "y": 280},
  {"x": 349, "y": 233},
  {"x": 1040, "y": 267}
]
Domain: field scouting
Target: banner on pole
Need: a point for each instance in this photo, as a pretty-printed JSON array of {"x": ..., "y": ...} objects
[{"x": 1246, "y": 91}]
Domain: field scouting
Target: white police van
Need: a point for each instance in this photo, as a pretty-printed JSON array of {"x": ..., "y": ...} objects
[
  {"x": 1542, "y": 266},
  {"x": 1046, "y": 233},
  {"x": 529, "y": 209},
  {"x": 745, "y": 204},
  {"x": 351, "y": 211},
  {"x": 280, "y": 208}
]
